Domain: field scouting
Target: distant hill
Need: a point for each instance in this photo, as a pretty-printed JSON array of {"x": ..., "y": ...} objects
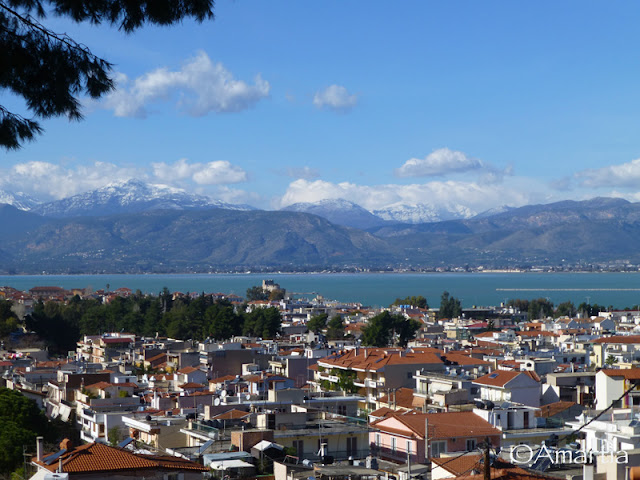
[
  {"x": 182, "y": 240},
  {"x": 129, "y": 197},
  {"x": 593, "y": 231},
  {"x": 340, "y": 212}
]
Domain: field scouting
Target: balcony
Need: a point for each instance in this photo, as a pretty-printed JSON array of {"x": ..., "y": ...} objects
[{"x": 373, "y": 383}]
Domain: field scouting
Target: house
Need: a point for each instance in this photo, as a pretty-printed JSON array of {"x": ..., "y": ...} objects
[
  {"x": 96, "y": 460},
  {"x": 397, "y": 437},
  {"x": 508, "y": 386},
  {"x": 371, "y": 372},
  {"x": 612, "y": 383}
]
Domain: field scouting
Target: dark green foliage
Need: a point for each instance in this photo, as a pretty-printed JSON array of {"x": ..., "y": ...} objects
[
  {"x": 257, "y": 293},
  {"x": 415, "y": 301},
  {"x": 588, "y": 310},
  {"x": 262, "y": 322},
  {"x": 335, "y": 328},
  {"x": 540, "y": 308},
  {"x": 21, "y": 421},
  {"x": 566, "y": 309},
  {"x": 184, "y": 318},
  {"x": 317, "y": 323},
  {"x": 223, "y": 322},
  {"x": 8, "y": 319},
  {"x": 519, "y": 304},
  {"x": 385, "y": 329},
  {"x": 449, "y": 306},
  {"x": 51, "y": 71}
]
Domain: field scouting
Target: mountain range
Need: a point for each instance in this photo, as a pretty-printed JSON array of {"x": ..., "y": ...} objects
[{"x": 135, "y": 227}]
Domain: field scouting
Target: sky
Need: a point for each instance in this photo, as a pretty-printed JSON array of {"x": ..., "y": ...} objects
[{"x": 451, "y": 104}]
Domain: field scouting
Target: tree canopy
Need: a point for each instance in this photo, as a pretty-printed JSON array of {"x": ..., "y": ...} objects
[
  {"x": 450, "y": 307},
  {"x": 415, "y": 301},
  {"x": 62, "y": 325},
  {"x": 51, "y": 71},
  {"x": 385, "y": 329}
]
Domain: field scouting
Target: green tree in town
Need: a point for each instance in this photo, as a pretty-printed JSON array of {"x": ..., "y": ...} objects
[
  {"x": 51, "y": 72},
  {"x": 385, "y": 329},
  {"x": 565, "y": 309},
  {"x": 222, "y": 321},
  {"x": 415, "y": 301},
  {"x": 540, "y": 308},
  {"x": 450, "y": 307},
  {"x": 318, "y": 323},
  {"x": 335, "y": 328},
  {"x": 257, "y": 293},
  {"x": 265, "y": 323}
]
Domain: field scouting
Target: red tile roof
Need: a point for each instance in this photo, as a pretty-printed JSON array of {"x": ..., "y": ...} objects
[
  {"x": 441, "y": 425},
  {"x": 97, "y": 458},
  {"x": 627, "y": 373},
  {"x": 619, "y": 339},
  {"x": 499, "y": 378}
]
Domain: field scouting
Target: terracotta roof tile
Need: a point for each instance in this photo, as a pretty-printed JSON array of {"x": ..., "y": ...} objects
[
  {"x": 627, "y": 373},
  {"x": 441, "y": 425},
  {"x": 97, "y": 457}
]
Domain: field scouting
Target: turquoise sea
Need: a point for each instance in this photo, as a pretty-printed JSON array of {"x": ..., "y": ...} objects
[{"x": 377, "y": 289}]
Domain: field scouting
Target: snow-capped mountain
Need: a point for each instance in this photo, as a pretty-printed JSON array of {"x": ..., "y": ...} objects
[
  {"x": 130, "y": 197},
  {"x": 340, "y": 212},
  {"x": 20, "y": 200},
  {"x": 495, "y": 211},
  {"x": 423, "y": 213}
]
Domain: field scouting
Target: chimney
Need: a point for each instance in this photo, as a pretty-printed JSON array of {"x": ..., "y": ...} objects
[{"x": 40, "y": 448}]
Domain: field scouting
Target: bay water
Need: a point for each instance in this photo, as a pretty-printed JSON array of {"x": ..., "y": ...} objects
[{"x": 376, "y": 289}]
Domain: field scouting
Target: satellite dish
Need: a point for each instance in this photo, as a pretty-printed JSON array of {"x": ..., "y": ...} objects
[
  {"x": 247, "y": 397},
  {"x": 216, "y": 402},
  {"x": 223, "y": 393}
]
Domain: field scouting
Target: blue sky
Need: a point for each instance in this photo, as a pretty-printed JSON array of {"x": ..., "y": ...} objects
[{"x": 454, "y": 104}]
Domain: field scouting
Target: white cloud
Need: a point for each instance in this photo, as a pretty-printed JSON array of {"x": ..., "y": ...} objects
[
  {"x": 49, "y": 181},
  {"x": 476, "y": 196},
  {"x": 439, "y": 163},
  {"x": 336, "y": 98},
  {"x": 220, "y": 172},
  {"x": 625, "y": 175},
  {"x": 203, "y": 87}
]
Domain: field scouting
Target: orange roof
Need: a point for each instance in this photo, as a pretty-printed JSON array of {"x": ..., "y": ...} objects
[
  {"x": 465, "y": 465},
  {"x": 373, "y": 359},
  {"x": 536, "y": 333},
  {"x": 483, "y": 335},
  {"x": 463, "y": 359},
  {"x": 232, "y": 414},
  {"x": 403, "y": 397},
  {"x": 441, "y": 425},
  {"x": 553, "y": 409},
  {"x": 619, "y": 339},
  {"x": 226, "y": 378},
  {"x": 188, "y": 370},
  {"x": 99, "y": 385},
  {"x": 98, "y": 457},
  {"x": 192, "y": 385},
  {"x": 627, "y": 373},
  {"x": 499, "y": 378}
]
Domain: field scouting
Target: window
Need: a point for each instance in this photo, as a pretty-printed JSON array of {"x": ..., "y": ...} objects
[
  {"x": 342, "y": 410},
  {"x": 299, "y": 446},
  {"x": 438, "y": 448},
  {"x": 378, "y": 440},
  {"x": 409, "y": 374},
  {"x": 393, "y": 444},
  {"x": 409, "y": 446},
  {"x": 352, "y": 446},
  {"x": 471, "y": 444}
]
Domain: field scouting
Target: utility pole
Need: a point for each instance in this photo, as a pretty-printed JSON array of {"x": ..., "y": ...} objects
[{"x": 487, "y": 460}]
